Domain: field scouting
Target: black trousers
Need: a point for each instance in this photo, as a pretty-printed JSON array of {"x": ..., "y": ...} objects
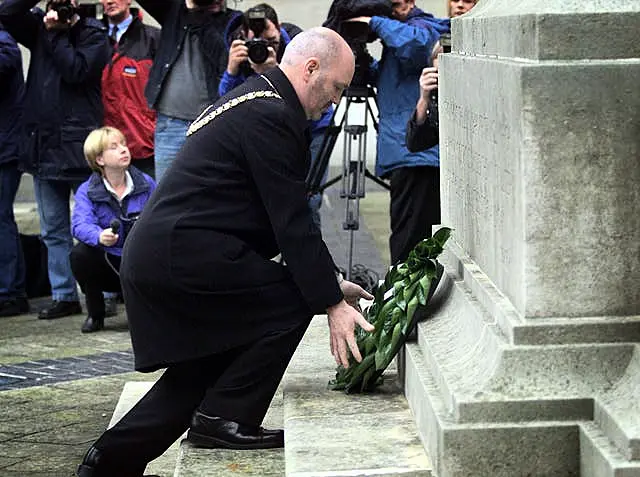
[
  {"x": 414, "y": 208},
  {"x": 237, "y": 385},
  {"x": 95, "y": 275}
]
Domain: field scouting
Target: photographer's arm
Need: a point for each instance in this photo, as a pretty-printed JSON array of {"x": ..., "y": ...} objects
[
  {"x": 82, "y": 61},
  {"x": 410, "y": 44},
  {"x": 20, "y": 22}
]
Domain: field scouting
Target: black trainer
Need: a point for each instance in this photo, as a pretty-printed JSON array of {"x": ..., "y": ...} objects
[{"x": 59, "y": 309}]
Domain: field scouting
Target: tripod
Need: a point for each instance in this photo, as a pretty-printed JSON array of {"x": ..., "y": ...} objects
[{"x": 354, "y": 169}]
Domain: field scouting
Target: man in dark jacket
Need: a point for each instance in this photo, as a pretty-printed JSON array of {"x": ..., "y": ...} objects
[
  {"x": 134, "y": 47},
  {"x": 187, "y": 68},
  {"x": 224, "y": 269},
  {"x": 62, "y": 106},
  {"x": 12, "y": 272}
]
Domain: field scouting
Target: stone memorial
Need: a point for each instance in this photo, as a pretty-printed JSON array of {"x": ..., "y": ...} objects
[{"x": 530, "y": 364}]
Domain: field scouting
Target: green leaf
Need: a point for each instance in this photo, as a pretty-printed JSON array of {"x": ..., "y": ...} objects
[
  {"x": 411, "y": 308},
  {"x": 380, "y": 358}
]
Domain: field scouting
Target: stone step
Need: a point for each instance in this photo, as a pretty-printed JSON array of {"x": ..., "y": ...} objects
[
  {"x": 198, "y": 462},
  {"x": 600, "y": 457},
  {"x": 329, "y": 433},
  {"x": 535, "y": 449},
  {"x": 558, "y": 440}
]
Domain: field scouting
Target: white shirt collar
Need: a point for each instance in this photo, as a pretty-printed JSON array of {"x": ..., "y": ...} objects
[{"x": 128, "y": 186}]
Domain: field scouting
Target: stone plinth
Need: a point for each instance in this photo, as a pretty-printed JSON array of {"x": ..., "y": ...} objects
[{"x": 530, "y": 364}]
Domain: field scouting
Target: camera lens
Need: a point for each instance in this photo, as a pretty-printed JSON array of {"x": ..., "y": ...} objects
[{"x": 258, "y": 51}]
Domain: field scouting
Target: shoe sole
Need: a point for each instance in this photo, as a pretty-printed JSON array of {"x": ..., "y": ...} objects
[{"x": 208, "y": 442}]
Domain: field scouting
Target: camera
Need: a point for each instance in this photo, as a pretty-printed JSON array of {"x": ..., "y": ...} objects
[
  {"x": 64, "y": 9},
  {"x": 258, "y": 50},
  {"x": 445, "y": 41},
  {"x": 357, "y": 35}
]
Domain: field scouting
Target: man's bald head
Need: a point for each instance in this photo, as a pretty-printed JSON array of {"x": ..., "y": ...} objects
[
  {"x": 323, "y": 43},
  {"x": 320, "y": 65}
]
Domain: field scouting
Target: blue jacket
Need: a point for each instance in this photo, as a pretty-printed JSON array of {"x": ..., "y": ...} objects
[
  {"x": 173, "y": 16},
  {"x": 11, "y": 98},
  {"x": 229, "y": 81},
  {"x": 407, "y": 50},
  {"x": 95, "y": 208},
  {"x": 63, "y": 101}
]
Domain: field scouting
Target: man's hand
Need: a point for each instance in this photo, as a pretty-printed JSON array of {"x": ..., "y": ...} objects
[
  {"x": 428, "y": 84},
  {"x": 238, "y": 53},
  {"x": 269, "y": 63},
  {"x": 353, "y": 292},
  {"x": 52, "y": 22},
  {"x": 108, "y": 238},
  {"x": 342, "y": 322}
]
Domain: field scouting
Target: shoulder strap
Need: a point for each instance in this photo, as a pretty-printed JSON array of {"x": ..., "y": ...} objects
[{"x": 207, "y": 115}]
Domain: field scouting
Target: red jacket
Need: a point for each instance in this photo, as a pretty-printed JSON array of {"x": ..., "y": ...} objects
[{"x": 123, "y": 83}]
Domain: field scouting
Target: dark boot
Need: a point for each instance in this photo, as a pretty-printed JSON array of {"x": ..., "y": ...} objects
[
  {"x": 92, "y": 324},
  {"x": 215, "y": 432}
]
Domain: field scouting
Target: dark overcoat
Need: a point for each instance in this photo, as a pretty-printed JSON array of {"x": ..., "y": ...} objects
[{"x": 197, "y": 272}]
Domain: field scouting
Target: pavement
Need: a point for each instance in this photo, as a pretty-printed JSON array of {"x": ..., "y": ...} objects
[{"x": 59, "y": 387}]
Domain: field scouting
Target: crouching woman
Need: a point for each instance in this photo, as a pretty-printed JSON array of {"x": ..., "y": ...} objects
[{"x": 106, "y": 207}]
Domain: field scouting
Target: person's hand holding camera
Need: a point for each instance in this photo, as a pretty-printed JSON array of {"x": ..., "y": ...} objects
[
  {"x": 428, "y": 84},
  {"x": 108, "y": 238},
  {"x": 60, "y": 15},
  {"x": 270, "y": 62},
  {"x": 238, "y": 54}
]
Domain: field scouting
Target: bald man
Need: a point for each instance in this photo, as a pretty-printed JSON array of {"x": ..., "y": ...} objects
[{"x": 224, "y": 269}]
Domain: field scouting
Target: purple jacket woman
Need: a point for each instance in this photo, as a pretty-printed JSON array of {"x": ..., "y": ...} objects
[{"x": 96, "y": 209}]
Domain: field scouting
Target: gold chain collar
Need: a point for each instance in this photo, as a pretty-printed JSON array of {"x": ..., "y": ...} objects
[{"x": 206, "y": 117}]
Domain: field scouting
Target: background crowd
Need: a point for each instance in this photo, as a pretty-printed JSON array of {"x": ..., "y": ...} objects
[{"x": 107, "y": 105}]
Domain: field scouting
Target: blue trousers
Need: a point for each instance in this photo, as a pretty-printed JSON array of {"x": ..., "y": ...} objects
[
  {"x": 170, "y": 135},
  {"x": 55, "y": 227},
  {"x": 12, "y": 269}
]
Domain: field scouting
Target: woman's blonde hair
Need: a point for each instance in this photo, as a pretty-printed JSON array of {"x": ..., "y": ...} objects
[{"x": 97, "y": 142}]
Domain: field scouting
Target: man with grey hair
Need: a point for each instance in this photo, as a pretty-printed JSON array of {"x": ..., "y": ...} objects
[{"x": 224, "y": 269}]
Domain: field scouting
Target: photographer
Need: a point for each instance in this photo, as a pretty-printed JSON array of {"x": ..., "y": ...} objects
[
  {"x": 186, "y": 69},
  {"x": 408, "y": 39},
  {"x": 256, "y": 42},
  {"x": 423, "y": 127},
  {"x": 62, "y": 105},
  {"x": 105, "y": 209}
]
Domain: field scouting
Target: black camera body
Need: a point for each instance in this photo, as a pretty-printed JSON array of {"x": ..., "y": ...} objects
[
  {"x": 258, "y": 50},
  {"x": 357, "y": 35},
  {"x": 65, "y": 10}
]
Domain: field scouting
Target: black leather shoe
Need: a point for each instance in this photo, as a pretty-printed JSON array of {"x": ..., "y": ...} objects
[
  {"x": 93, "y": 466},
  {"x": 59, "y": 309},
  {"x": 14, "y": 307},
  {"x": 215, "y": 432},
  {"x": 92, "y": 324}
]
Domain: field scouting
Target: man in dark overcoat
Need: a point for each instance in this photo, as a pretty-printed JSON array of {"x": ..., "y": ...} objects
[{"x": 224, "y": 269}]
